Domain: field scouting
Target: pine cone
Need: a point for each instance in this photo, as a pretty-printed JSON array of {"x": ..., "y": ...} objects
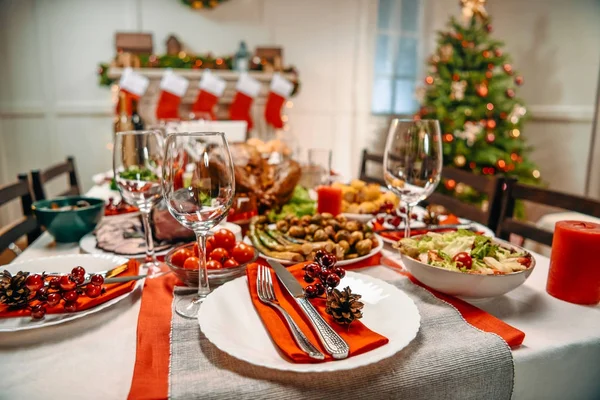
[
  {"x": 344, "y": 306},
  {"x": 13, "y": 291}
]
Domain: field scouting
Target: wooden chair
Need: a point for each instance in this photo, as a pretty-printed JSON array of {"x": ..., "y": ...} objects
[
  {"x": 517, "y": 191},
  {"x": 25, "y": 226},
  {"x": 492, "y": 187},
  {"x": 40, "y": 178},
  {"x": 373, "y": 158}
]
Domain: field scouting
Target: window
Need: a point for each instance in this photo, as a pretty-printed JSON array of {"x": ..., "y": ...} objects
[{"x": 397, "y": 58}]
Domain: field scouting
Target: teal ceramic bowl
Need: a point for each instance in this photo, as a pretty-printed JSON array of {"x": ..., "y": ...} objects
[{"x": 69, "y": 225}]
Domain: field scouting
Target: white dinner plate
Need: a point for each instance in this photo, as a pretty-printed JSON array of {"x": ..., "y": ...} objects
[
  {"x": 63, "y": 264},
  {"x": 341, "y": 263},
  {"x": 230, "y": 321}
]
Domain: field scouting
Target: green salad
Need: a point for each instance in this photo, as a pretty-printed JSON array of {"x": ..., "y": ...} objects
[
  {"x": 299, "y": 205},
  {"x": 139, "y": 174},
  {"x": 464, "y": 251}
]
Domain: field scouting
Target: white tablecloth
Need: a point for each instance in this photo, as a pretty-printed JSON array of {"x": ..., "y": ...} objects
[{"x": 93, "y": 357}]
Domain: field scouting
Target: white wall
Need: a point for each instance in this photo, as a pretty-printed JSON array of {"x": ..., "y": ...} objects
[{"x": 51, "y": 105}]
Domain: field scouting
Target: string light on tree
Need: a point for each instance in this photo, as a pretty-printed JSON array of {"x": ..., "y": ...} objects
[
  {"x": 482, "y": 90},
  {"x": 536, "y": 174},
  {"x": 460, "y": 160},
  {"x": 519, "y": 80},
  {"x": 515, "y": 133},
  {"x": 490, "y": 124},
  {"x": 510, "y": 93},
  {"x": 489, "y": 106},
  {"x": 507, "y": 68},
  {"x": 450, "y": 184},
  {"x": 429, "y": 80},
  {"x": 490, "y": 138}
]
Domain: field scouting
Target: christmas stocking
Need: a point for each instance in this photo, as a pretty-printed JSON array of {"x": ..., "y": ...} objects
[
  {"x": 133, "y": 85},
  {"x": 211, "y": 88},
  {"x": 173, "y": 87},
  {"x": 247, "y": 89},
  {"x": 280, "y": 89}
]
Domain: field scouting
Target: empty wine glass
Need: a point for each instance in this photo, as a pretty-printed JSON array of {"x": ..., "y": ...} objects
[
  {"x": 198, "y": 187},
  {"x": 137, "y": 166},
  {"x": 412, "y": 161}
]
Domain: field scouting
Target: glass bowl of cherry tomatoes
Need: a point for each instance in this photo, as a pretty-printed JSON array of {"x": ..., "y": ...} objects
[{"x": 226, "y": 259}]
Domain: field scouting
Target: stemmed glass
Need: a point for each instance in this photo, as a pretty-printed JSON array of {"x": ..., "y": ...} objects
[
  {"x": 198, "y": 187},
  {"x": 137, "y": 166},
  {"x": 412, "y": 161}
]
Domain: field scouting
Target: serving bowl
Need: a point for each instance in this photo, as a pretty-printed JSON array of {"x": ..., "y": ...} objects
[
  {"x": 466, "y": 285},
  {"x": 216, "y": 277},
  {"x": 69, "y": 225}
]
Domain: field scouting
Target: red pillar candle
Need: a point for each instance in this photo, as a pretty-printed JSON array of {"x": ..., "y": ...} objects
[
  {"x": 574, "y": 274},
  {"x": 329, "y": 200}
]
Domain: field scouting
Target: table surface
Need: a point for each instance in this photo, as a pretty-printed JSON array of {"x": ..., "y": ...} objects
[{"x": 93, "y": 357}]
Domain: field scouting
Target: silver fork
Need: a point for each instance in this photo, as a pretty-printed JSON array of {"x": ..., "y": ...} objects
[{"x": 264, "y": 288}]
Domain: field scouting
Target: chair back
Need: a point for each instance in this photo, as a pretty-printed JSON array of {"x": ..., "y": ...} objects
[
  {"x": 25, "y": 226},
  {"x": 492, "y": 187},
  {"x": 373, "y": 159},
  {"x": 518, "y": 191},
  {"x": 40, "y": 178}
]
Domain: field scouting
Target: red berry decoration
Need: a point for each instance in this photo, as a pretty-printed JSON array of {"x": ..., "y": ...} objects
[
  {"x": 66, "y": 283},
  {"x": 97, "y": 279},
  {"x": 54, "y": 283},
  {"x": 42, "y": 293},
  {"x": 70, "y": 307},
  {"x": 328, "y": 261},
  {"x": 313, "y": 270},
  {"x": 34, "y": 282},
  {"x": 92, "y": 290},
  {"x": 324, "y": 274},
  {"x": 310, "y": 291},
  {"x": 308, "y": 278},
  {"x": 332, "y": 280},
  {"x": 78, "y": 271},
  {"x": 70, "y": 296},
  {"x": 79, "y": 278},
  {"x": 53, "y": 299},
  {"x": 341, "y": 272},
  {"x": 319, "y": 254},
  {"x": 38, "y": 311},
  {"x": 396, "y": 221},
  {"x": 320, "y": 289}
]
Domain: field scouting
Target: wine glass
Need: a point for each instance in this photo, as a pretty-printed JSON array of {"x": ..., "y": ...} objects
[
  {"x": 412, "y": 161},
  {"x": 198, "y": 187},
  {"x": 319, "y": 160},
  {"x": 137, "y": 167}
]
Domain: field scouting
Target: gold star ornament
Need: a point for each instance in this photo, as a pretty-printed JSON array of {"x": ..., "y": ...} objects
[{"x": 472, "y": 8}]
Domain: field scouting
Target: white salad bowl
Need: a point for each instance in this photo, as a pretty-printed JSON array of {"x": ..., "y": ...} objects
[{"x": 465, "y": 285}]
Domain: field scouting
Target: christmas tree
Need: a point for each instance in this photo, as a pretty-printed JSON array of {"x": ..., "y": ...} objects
[{"x": 471, "y": 89}]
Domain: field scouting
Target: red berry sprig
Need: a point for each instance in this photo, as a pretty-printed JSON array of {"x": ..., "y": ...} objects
[
  {"x": 324, "y": 273},
  {"x": 50, "y": 291}
]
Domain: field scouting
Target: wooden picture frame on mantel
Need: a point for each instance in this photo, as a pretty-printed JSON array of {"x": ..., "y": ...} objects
[
  {"x": 271, "y": 58},
  {"x": 134, "y": 43}
]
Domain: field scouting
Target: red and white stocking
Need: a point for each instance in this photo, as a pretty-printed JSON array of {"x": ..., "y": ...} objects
[
  {"x": 247, "y": 89},
  {"x": 133, "y": 85},
  {"x": 280, "y": 90},
  {"x": 173, "y": 88},
  {"x": 211, "y": 88}
]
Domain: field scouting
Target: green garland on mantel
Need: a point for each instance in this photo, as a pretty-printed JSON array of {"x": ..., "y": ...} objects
[
  {"x": 189, "y": 61},
  {"x": 202, "y": 4}
]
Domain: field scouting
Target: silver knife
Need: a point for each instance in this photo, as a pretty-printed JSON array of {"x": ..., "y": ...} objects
[{"x": 333, "y": 343}]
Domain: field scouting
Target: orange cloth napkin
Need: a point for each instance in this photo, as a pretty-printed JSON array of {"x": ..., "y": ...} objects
[
  {"x": 360, "y": 338},
  {"x": 84, "y": 302}
]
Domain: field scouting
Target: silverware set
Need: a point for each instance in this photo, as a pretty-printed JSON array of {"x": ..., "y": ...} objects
[{"x": 331, "y": 341}]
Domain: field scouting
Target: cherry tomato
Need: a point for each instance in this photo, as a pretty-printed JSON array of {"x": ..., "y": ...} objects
[
  {"x": 526, "y": 261},
  {"x": 463, "y": 259},
  {"x": 231, "y": 263},
  {"x": 191, "y": 263},
  {"x": 242, "y": 253},
  {"x": 224, "y": 238},
  {"x": 219, "y": 254},
  {"x": 213, "y": 264},
  {"x": 210, "y": 244},
  {"x": 178, "y": 258}
]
